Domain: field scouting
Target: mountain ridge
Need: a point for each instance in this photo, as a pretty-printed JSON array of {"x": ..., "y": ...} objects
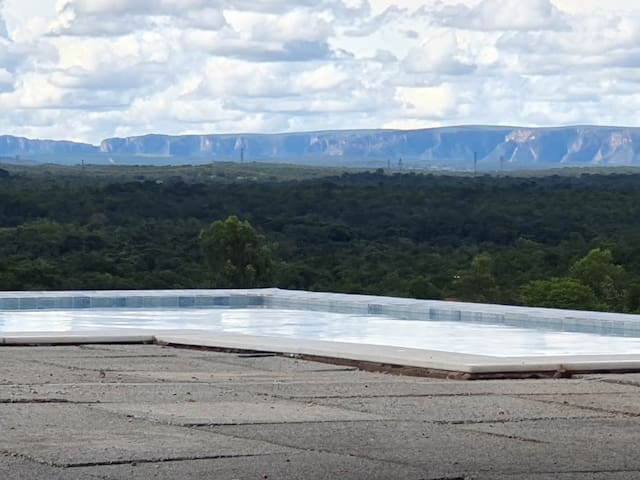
[{"x": 456, "y": 147}]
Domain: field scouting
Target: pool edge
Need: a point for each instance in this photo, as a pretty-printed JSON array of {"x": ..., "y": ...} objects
[
  {"x": 378, "y": 358},
  {"x": 367, "y": 357}
]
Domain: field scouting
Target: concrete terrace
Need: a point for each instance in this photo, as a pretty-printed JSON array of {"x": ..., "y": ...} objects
[{"x": 148, "y": 411}]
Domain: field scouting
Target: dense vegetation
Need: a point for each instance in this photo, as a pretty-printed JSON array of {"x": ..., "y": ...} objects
[{"x": 552, "y": 241}]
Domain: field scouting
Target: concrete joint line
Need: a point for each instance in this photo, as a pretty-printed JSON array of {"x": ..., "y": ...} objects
[
  {"x": 321, "y": 450},
  {"x": 510, "y": 420},
  {"x": 259, "y": 424},
  {"x": 629, "y": 383},
  {"x": 509, "y": 437},
  {"x": 446, "y": 478},
  {"x": 391, "y": 395},
  {"x": 573, "y": 394},
  {"x": 35, "y": 400},
  {"x": 157, "y": 460},
  {"x": 588, "y": 408}
]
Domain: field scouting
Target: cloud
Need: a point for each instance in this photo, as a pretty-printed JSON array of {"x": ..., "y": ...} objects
[
  {"x": 594, "y": 43},
  {"x": 116, "y": 79},
  {"x": 593, "y": 6},
  {"x": 120, "y": 17},
  {"x": 100, "y": 68},
  {"x": 439, "y": 54},
  {"x": 3, "y": 26},
  {"x": 384, "y": 56},
  {"x": 324, "y": 78},
  {"x": 228, "y": 44},
  {"x": 367, "y": 26},
  {"x": 428, "y": 102},
  {"x": 207, "y": 18},
  {"x": 297, "y": 24},
  {"x": 135, "y": 7},
  {"x": 504, "y": 15},
  {"x": 6, "y": 80},
  {"x": 16, "y": 56}
]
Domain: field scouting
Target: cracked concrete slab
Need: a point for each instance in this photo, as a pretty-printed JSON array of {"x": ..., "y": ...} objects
[
  {"x": 138, "y": 393},
  {"x": 602, "y": 444},
  {"x": 387, "y": 386},
  {"x": 624, "y": 403},
  {"x": 298, "y": 465},
  {"x": 610, "y": 430},
  {"x": 26, "y": 372},
  {"x": 145, "y": 411},
  {"x": 442, "y": 450},
  {"x": 629, "y": 379},
  {"x": 117, "y": 349},
  {"x": 67, "y": 435},
  {"x": 219, "y": 377},
  {"x": 150, "y": 363},
  {"x": 265, "y": 362},
  {"x": 32, "y": 353},
  {"x": 84, "y": 351},
  {"x": 461, "y": 409},
  {"x": 38, "y": 373},
  {"x": 237, "y": 412},
  {"x": 17, "y": 468}
]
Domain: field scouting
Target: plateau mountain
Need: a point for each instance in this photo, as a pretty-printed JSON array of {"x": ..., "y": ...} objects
[{"x": 454, "y": 148}]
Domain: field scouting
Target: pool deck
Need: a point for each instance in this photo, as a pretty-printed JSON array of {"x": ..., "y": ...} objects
[
  {"x": 377, "y": 358},
  {"x": 117, "y": 411}
]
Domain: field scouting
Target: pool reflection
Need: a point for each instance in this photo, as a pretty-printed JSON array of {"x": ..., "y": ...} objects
[{"x": 451, "y": 336}]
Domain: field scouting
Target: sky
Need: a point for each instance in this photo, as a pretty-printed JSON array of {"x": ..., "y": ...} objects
[{"x": 86, "y": 70}]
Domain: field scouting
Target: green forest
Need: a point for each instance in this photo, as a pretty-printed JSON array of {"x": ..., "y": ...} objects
[{"x": 566, "y": 241}]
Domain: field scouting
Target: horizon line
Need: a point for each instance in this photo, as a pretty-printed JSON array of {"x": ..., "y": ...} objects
[{"x": 339, "y": 130}]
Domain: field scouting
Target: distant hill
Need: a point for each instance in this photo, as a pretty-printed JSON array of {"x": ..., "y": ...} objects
[
  {"x": 17, "y": 146},
  {"x": 441, "y": 148}
]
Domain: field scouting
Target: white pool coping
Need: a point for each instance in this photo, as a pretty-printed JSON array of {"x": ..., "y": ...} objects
[{"x": 428, "y": 360}]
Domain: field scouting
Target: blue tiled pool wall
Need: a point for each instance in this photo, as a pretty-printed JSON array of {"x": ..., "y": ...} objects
[
  {"x": 420, "y": 310},
  {"x": 138, "y": 301},
  {"x": 406, "y": 309}
]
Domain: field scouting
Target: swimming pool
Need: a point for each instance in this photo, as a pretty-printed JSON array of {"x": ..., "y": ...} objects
[
  {"x": 449, "y": 336},
  {"x": 434, "y": 337}
]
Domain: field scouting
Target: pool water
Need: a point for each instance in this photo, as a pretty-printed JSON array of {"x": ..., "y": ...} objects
[{"x": 449, "y": 336}]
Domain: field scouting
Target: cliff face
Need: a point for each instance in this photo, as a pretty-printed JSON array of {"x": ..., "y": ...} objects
[
  {"x": 492, "y": 145},
  {"x": 16, "y": 146},
  {"x": 453, "y": 147}
]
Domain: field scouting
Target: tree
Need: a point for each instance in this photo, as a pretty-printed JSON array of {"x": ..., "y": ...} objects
[
  {"x": 237, "y": 256},
  {"x": 477, "y": 283},
  {"x": 597, "y": 271},
  {"x": 422, "y": 287},
  {"x": 559, "y": 293}
]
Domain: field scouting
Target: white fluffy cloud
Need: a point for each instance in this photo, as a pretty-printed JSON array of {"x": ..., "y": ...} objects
[
  {"x": 440, "y": 53},
  {"x": 505, "y": 15},
  {"x": 3, "y": 27},
  {"x": 89, "y": 69}
]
